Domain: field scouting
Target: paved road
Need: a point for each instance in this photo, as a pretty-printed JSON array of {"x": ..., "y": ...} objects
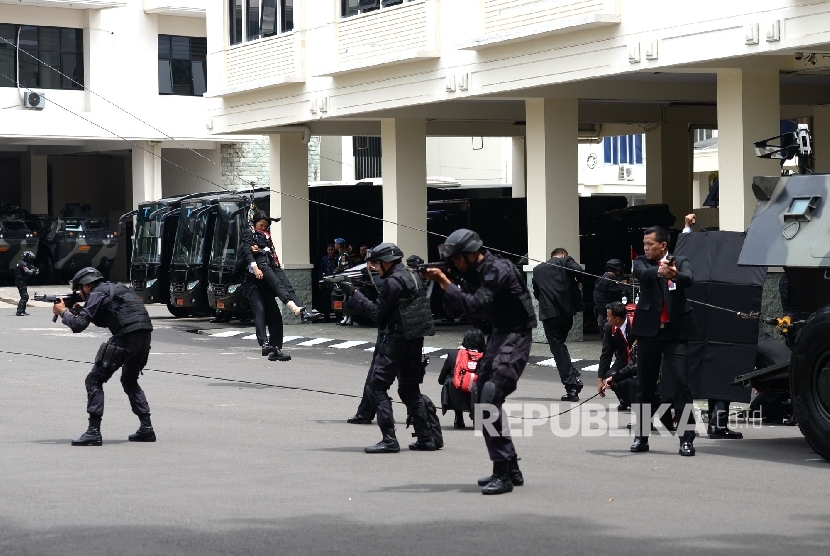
[{"x": 256, "y": 458}]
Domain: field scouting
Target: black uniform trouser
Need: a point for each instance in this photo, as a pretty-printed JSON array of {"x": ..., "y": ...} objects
[
  {"x": 626, "y": 390},
  {"x": 136, "y": 351},
  {"x": 267, "y": 315},
  {"x": 277, "y": 281},
  {"x": 556, "y": 331},
  {"x": 368, "y": 403},
  {"x": 719, "y": 413},
  {"x": 667, "y": 348},
  {"x": 504, "y": 361},
  {"x": 602, "y": 319},
  {"x": 398, "y": 358},
  {"x": 24, "y": 297}
]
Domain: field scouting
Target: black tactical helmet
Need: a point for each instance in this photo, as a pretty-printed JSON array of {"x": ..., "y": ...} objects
[
  {"x": 86, "y": 275},
  {"x": 413, "y": 261},
  {"x": 28, "y": 256},
  {"x": 385, "y": 252},
  {"x": 460, "y": 241},
  {"x": 615, "y": 264}
]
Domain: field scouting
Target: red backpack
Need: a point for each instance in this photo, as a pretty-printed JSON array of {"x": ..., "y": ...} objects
[{"x": 466, "y": 362}]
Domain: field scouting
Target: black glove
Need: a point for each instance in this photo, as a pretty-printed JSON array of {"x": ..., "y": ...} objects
[{"x": 347, "y": 288}]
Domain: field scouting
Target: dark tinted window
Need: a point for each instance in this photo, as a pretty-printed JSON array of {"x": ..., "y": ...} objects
[
  {"x": 235, "y": 21},
  {"x": 182, "y": 67},
  {"x": 46, "y": 53}
]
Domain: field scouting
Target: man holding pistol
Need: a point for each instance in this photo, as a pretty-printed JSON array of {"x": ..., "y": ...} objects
[
  {"x": 120, "y": 309},
  {"x": 495, "y": 289}
]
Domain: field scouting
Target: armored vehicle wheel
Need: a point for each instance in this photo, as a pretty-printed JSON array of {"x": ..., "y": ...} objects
[
  {"x": 178, "y": 312},
  {"x": 810, "y": 381}
]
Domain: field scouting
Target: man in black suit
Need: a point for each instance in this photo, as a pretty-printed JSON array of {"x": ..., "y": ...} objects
[
  {"x": 663, "y": 322},
  {"x": 617, "y": 341},
  {"x": 557, "y": 289}
]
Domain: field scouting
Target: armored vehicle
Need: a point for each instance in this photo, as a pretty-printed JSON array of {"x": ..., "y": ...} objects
[
  {"x": 69, "y": 244},
  {"x": 191, "y": 254},
  {"x": 15, "y": 238},
  {"x": 790, "y": 229},
  {"x": 155, "y": 233},
  {"x": 224, "y": 289}
]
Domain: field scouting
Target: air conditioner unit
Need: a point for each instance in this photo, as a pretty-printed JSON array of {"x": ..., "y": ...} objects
[
  {"x": 625, "y": 173},
  {"x": 35, "y": 100}
]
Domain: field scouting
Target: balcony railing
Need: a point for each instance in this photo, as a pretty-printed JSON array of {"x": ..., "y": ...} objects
[
  {"x": 263, "y": 63},
  {"x": 393, "y": 35},
  {"x": 507, "y": 21}
]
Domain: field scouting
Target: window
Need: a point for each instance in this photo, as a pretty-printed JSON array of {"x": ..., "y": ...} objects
[
  {"x": 258, "y": 19},
  {"x": 626, "y": 149},
  {"x": 182, "y": 65},
  {"x": 349, "y": 8},
  {"x": 46, "y": 53},
  {"x": 367, "y": 157}
]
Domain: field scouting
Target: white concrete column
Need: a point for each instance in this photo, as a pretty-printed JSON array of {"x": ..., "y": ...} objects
[
  {"x": 289, "y": 175},
  {"x": 821, "y": 138},
  {"x": 404, "y": 171},
  {"x": 669, "y": 163},
  {"x": 748, "y": 110},
  {"x": 518, "y": 179},
  {"x": 552, "y": 177},
  {"x": 146, "y": 162},
  {"x": 34, "y": 192},
  {"x": 347, "y": 158}
]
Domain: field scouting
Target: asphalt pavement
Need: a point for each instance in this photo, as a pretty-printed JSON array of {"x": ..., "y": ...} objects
[{"x": 255, "y": 457}]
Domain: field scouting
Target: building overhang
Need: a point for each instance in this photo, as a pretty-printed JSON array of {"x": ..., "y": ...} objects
[
  {"x": 72, "y": 4},
  {"x": 182, "y": 8}
]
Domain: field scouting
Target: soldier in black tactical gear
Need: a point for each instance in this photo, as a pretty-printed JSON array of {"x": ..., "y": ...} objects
[
  {"x": 22, "y": 272},
  {"x": 404, "y": 317},
  {"x": 608, "y": 290},
  {"x": 120, "y": 309},
  {"x": 495, "y": 288}
]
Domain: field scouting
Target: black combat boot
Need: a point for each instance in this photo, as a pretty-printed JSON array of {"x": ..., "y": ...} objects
[
  {"x": 459, "y": 421},
  {"x": 389, "y": 444},
  {"x": 92, "y": 436},
  {"x": 500, "y": 482},
  {"x": 145, "y": 432},
  {"x": 278, "y": 355},
  {"x": 267, "y": 349},
  {"x": 423, "y": 430},
  {"x": 516, "y": 476}
]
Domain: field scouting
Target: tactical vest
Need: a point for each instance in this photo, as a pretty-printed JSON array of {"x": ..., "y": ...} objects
[
  {"x": 124, "y": 312},
  {"x": 414, "y": 306},
  {"x": 510, "y": 312}
]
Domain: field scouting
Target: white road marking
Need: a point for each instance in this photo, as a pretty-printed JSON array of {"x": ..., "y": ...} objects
[
  {"x": 346, "y": 345},
  {"x": 591, "y": 368},
  {"x": 291, "y": 338},
  {"x": 227, "y": 334},
  {"x": 249, "y": 337},
  {"x": 444, "y": 356},
  {"x": 370, "y": 349},
  {"x": 552, "y": 362},
  {"x": 427, "y": 350},
  {"x": 314, "y": 341}
]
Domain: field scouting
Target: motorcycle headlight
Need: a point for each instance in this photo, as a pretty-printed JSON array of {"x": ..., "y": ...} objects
[
  {"x": 192, "y": 284},
  {"x": 151, "y": 283},
  {"x": 210, "y": 287},
  {"x": 233, "y": 287}
]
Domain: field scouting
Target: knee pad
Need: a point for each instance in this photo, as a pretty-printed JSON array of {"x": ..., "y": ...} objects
[
  {"x": 92, "y": 382},
  {"x": 129, "y": 384},
  {"x": 410, "y": 394},
  {"x": 381, "y": 396}
]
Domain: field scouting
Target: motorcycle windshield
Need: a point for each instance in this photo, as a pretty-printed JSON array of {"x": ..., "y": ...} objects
[
  {"x": 147, "y": 244},
  {"x": 227, "y": 236},
  {"x": 190, "y": 235}
]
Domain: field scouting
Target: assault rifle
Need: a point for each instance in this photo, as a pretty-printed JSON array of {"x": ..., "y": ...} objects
[
  {"x": 442, "y": 266},
  {"x": 357, "y": 275},
  {"x": 69, "y": 299}
]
